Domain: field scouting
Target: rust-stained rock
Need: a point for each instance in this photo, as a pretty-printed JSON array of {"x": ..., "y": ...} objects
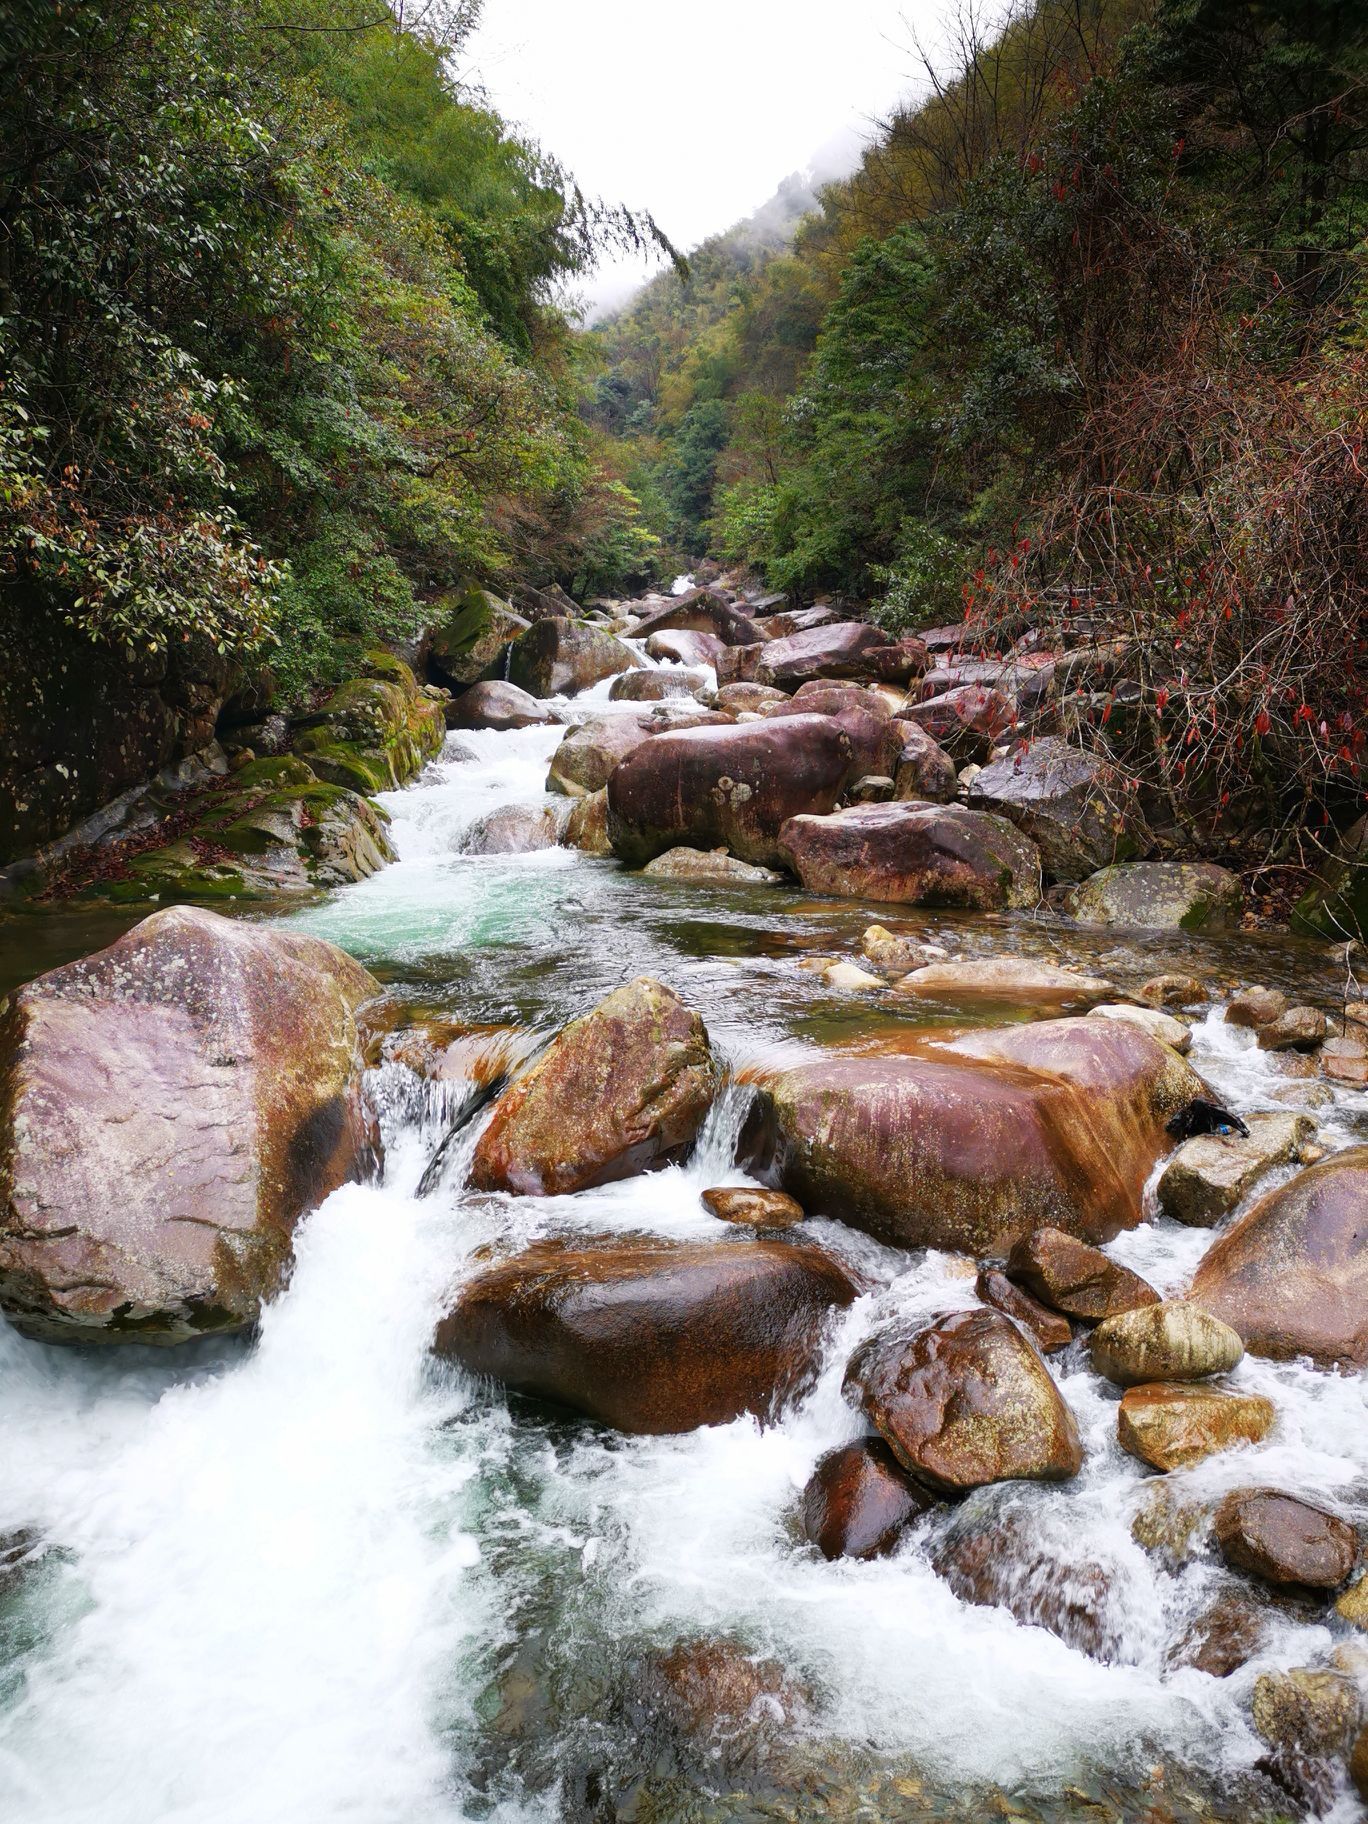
[
  {"x": 1255, "y": 1007},
  {"x": 972, "y": 1144},
  {"x": 913, "y": 854},
  {"x": 169, "y": 1108},
  {"x": 1173, "y": 1427},
  {"x": 860, "y": 1501},
  {"x": 618, "y": 1092},
  {"x": 1292, "y": 1276},
  {"x": 717, "y": 1697},
  {"x": 1212, "y": 1173},
  {"x": 830, "y": 697},
  {"x": 964, "y": 1402},
  {"x": 1284, "y": 1541},
  {"x": 648, "y": 1335},
  {"x": 1048, "y": 1330},
  {"x": 1172, "y": 1341},
  {"x": 586, "y": 828},
  {"x": 756, "y": 1209},
  {"x": 1070, "y": 1276},
  {"x": 749, "y": 698},
  {"x": 735, "y": 787},
  {"x": 1299, "y": 1029},
  {"x": 1007, "y": 981}
]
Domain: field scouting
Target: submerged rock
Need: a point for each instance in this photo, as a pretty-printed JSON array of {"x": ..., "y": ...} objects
[
  {"x": 946, "y": 1148},
  {"x": 1068, "y": 1275},
  {"x": 1072, "y": 804},
  {"x": 1308, "y": 1718},
  {"x": 860, "y": 1501},
  {"x": 557, "y": 658},
  {"x": 1173, "y": 1427},
  {"x": 619, "y": 1091},
  {"x": 998, "y": 1564},
  {"x": 1292, "y": 1276},
  {"x": 1210, "y": 1174},
  {"x": 896, "y": 956},
  {"x": 1161, "y": 896},
  {"x": 1172, "y": 1341},
  {"x": 1284, "y": 1541},
  {"x": 913, "y": 854},
  {"x": 647, "y": 1335},
  {"x": 1008, "y": 980},
  {"x": 965, "y": 1402},
  {"x": 169, "y": 1109},
  {"x": 734, "y": 787},
  {"x": 516, "y": 829}
]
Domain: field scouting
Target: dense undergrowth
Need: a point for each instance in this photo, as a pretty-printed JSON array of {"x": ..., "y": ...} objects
[
  {"x": 1083, "y": 341},
  {"x": 280, "y": 352}
]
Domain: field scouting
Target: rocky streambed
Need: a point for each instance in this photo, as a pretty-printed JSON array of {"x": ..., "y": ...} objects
[{"x": 783, "y": 1333}]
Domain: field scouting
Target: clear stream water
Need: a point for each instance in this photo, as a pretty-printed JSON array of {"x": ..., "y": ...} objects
[{"x": 312, "y": 1576}]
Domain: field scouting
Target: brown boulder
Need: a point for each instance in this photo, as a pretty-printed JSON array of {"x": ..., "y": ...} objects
[
  {"x": 755, "y": 698},
  {"x": 968, "y": 723},
  {"x": 944, "y": 1147},
  {"x": 734, "y": 787},
  {"x": 169, "y": 1108},
  {"x": 1299, "y": 1029},
  {"x": 1069, "y": 1276},
  {"x": 692, "y": 649},
  {"x": 661, "y": 686},
  {"x": 498, "y": 706},
  {"x": 1173, "y": 1427},
  {"x": 647, "y": 1335},
  {"x": 1255, "y": 1007},
  {"x": 1010, "y": 981},
  {"x": 860, "y": 1501},
  {"x": 923, "y": 770},
  {"x": 913, "y": 854},
  {"x": 585, "y": 759},
  {"x": 701, "y": 611},
  {"x": 1286, "y": 1542},
  {"x": 586, "y": 828},
  {"x": 743, "y": 1203},
  {"x": 1225, "y": 1636},
  {"x": 1047, "y": 1329},
  {"x": 1292, "y": 1276},
  {"x": 620, "y": 1091},
  {"x": 710, "y": 868},
  {"x": 830, "y": 697},
  {"x": 965, "y": 1402},
  {"x": 840, "y": 649},
  {"x": 1072, "y": 804},
  {"x": 556, "y": 658}
]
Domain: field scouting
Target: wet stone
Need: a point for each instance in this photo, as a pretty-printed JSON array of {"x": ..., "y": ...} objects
[
  {"x": 753, "y": 1208},
  {"x": 860, "y": 1501},
  {"x": 1071, "y": 1276},
  {"x": 1172, "y": 1427},
  {"x": 1047, "y": 1329},
  {"x": 1285, "y": 1541}
]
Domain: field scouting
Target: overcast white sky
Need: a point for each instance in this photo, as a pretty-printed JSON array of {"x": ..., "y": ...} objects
[{"x": 694, "y": 109}]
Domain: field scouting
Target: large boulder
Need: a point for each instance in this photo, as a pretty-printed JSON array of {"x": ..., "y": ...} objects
[
  {"x": 693, "y": 649},
  {"x": 516, "y": 829},
  {"x": 968, "y": 722},
  {"x": 1072, "y": 804},
  {"x": 964, "y": 1402},
  {"x": 701, "y": 611},
  {"x": 970, "y": 1145},
  {"x": 1211, "y": 1173},
  {"x": 619, "y": 1091},
  {"x": 1172, "y": 1427},
  {"x": 922, "y": 768},
  {"x": 169, "y": 1109},
  {"x": 735, "y": 787},
  {"x": 1160, "y": 896},
  {"x": 830, "y": 697},
  {"x": 557, "y": 658},
  {"x": 1285, "y": 1541},
  {"x": 499, "y": 706},
  {"x": 860, "y": 1501},
  {"x": 663, "y": 685},
  {"x": 651, "y": 1335},
  {"x": 1292, "y": 1276},
  {"x": 914, "y": 854},
  {"x": 586, "y": 828},
  {"x": 840, "y": 649},
  {"x": 585, "y": 759},
  {"x": 471, "y": 631},
  {"x": 375, "y": 732}
]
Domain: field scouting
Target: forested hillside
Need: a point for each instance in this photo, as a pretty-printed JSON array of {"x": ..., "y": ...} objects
[
  {"x": 280, "y": 359},
  {"x": 1087, "y": 332}
]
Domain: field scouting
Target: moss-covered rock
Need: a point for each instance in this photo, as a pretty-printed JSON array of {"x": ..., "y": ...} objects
[
  {"x": 375, "y": 732},
  {"x": 1337, "y": 906},
  {"x": 471, "y": 631}
]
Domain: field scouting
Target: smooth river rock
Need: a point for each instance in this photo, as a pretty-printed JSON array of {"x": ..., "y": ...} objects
[
  {"x": 709, "y": 868},
  {"x": 1285, "y": 1541},
  {"x": 860, "y": 1501},
  {"x": 557, "y": 658},
  {"x": 965, "y": 1402},
  {"x": 169, "y": 1108},
  {"x": 1292, "y": 1276},
  {"x": 649, "y": 1335},
  {"x": 1173, "y": 1427},
  {"x": 735, "y": 787},
  {"x": 620, "y": 1091},
  {"x": 972, "y": 1144},
  {"x": 755, "y": 1208},
  {"x": 499, "y": 706},
  {"x": 1009, "y": 981},
  {"x": 1049, "y": 1330},
  {"x": 1070, "y": 1276},
  {"x": 584, "y": 761},
  {"x": 841, "y": 649},
  {"x": 914, "y": 854},
  {"x": 1171, "y": 1341}
]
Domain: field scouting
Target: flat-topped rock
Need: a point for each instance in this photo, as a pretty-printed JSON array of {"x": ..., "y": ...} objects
[
  {"x": 913, "y": 854},
  {"x": 1172, "y": 1427},
  {"x": 1212, "y": 1173}
]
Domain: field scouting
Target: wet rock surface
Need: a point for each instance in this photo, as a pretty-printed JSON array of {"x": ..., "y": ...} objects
[
  {"x": 621, "y": 1090},
  {"x": 913, "y": 854},
  {"x": 497, "y": 706},
  {"x": 1172, "y": 1427},
  {"x": 1283, "y": 1540},
  {"x": 649, "y": 1335},
  {"x": 860, "y": 1501},
  {"x": 1048, "y": 1330},
  {"x": 169, "y": 1109},
  {"x": 557, "y": 658},
  {"x": 754, "y": 1208},
  {"x": 1209, "y": 1175},
  {"x": 1070, "y": 1276},
  {"x": 1170, "y": 1341},
  {"x": 965, "y": 1402}
]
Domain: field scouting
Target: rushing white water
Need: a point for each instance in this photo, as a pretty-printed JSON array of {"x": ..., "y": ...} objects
[{"x": 284, "y": 1572}]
